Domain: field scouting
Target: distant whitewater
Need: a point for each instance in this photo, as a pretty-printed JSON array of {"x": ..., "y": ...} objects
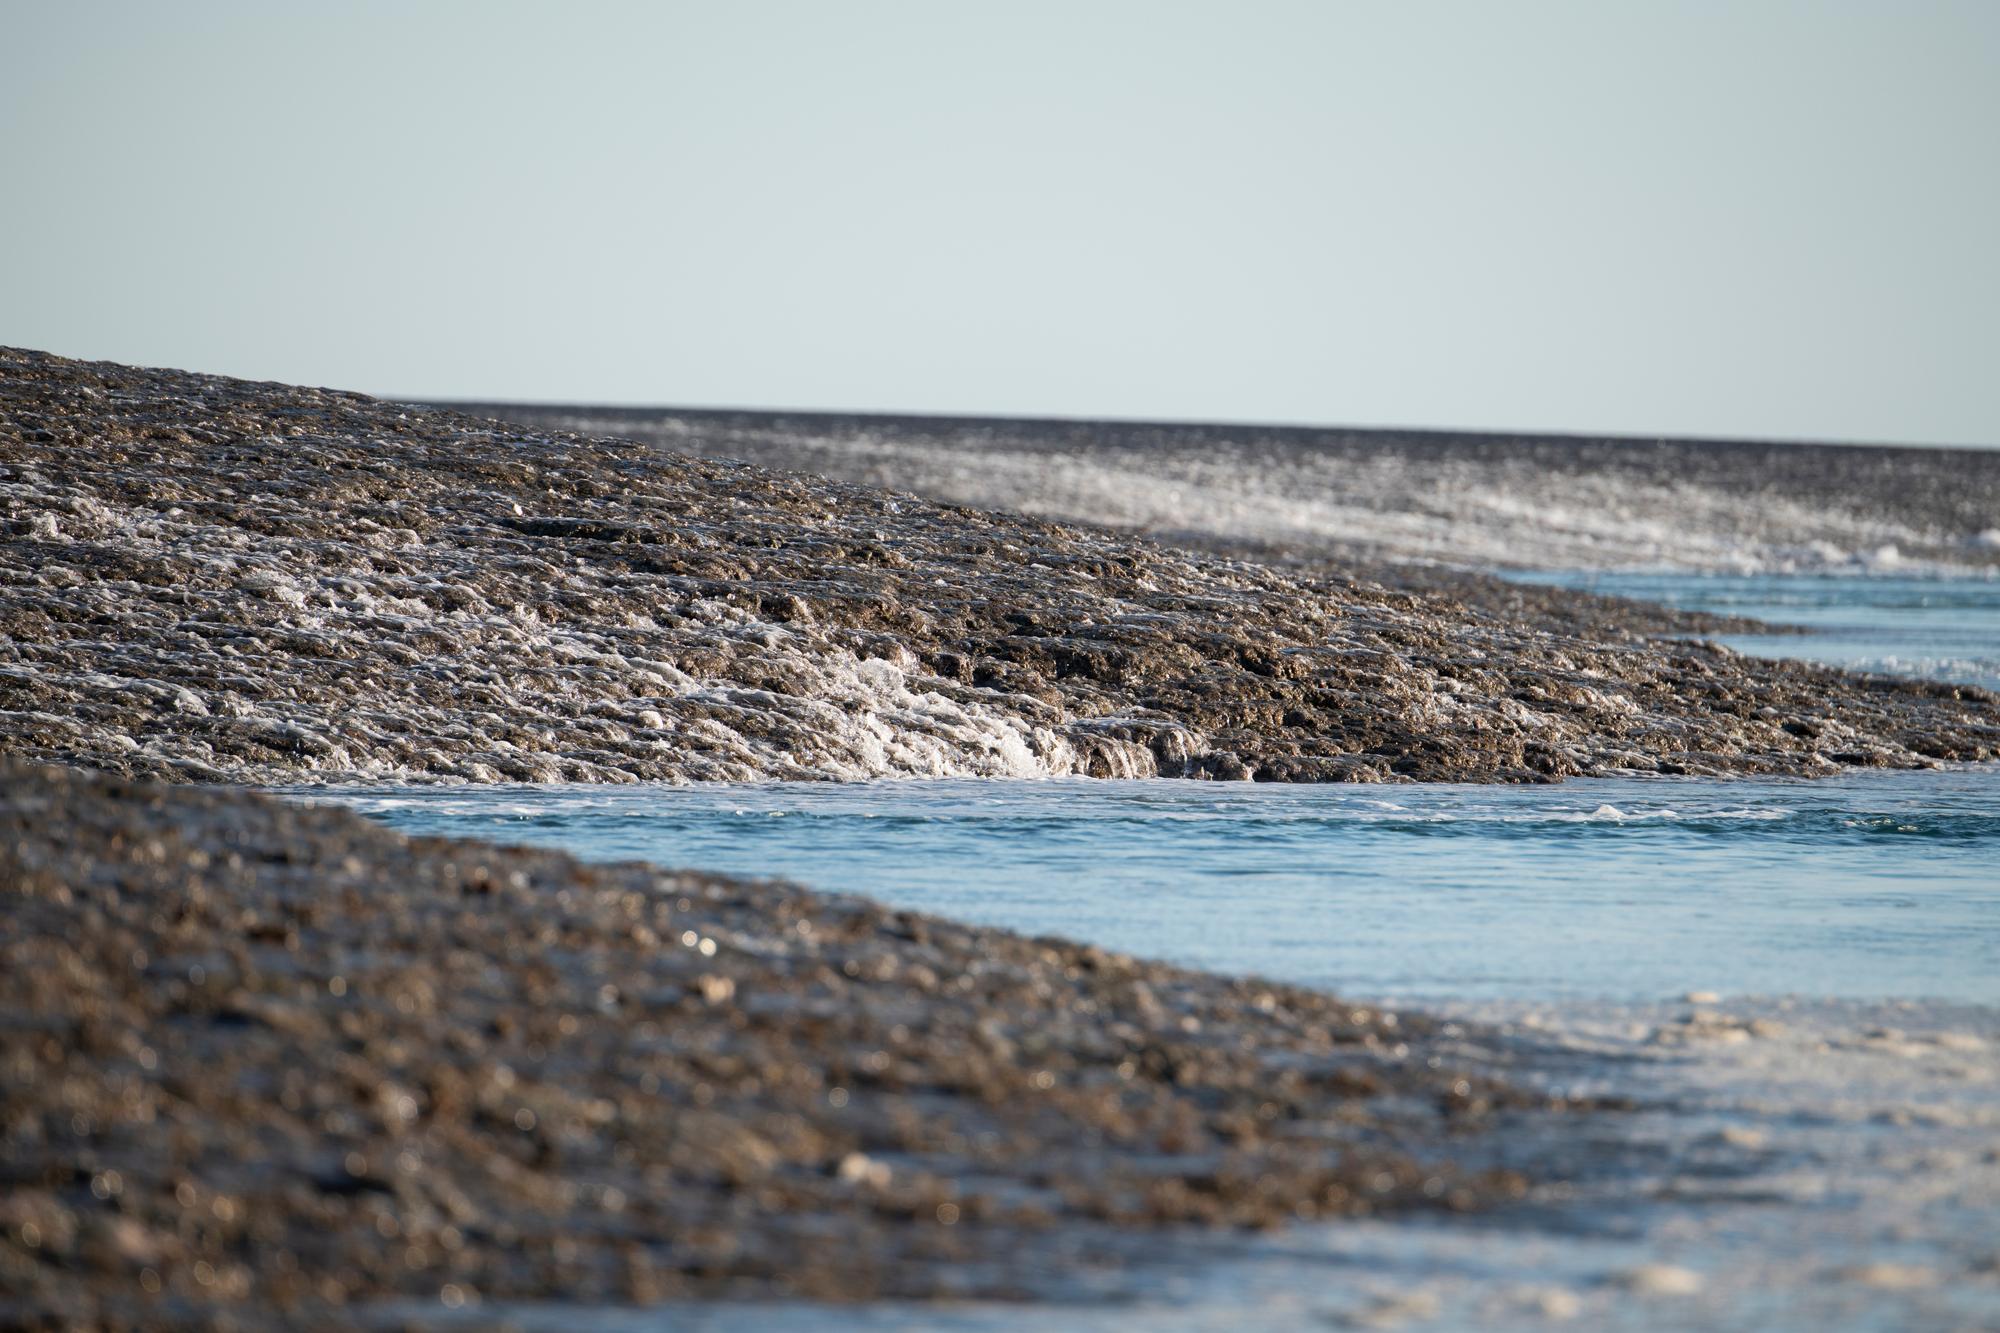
[{"x": 1480, "y": 500}]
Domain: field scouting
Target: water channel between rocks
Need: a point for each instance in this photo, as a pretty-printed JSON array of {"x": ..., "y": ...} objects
[{"x": 1798, "y": 980}]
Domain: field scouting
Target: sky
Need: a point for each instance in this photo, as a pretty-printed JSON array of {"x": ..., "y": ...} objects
[{"x": 1754, "y": 218}]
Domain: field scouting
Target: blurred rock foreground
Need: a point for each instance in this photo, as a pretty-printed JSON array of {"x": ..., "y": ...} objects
[{"x": 268, "y": 1063}]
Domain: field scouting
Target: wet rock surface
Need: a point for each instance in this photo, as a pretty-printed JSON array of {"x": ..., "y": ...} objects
[
  {"x": 1486, "y": 500},
  {"x": 208, "y": 579},
  {"x": 1569, "y": 611},
  {"x": 264, "y": 1062}
]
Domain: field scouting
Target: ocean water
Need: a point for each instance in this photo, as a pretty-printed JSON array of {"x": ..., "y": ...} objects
[
  {"x": 1939, "y": 628},
  {"x": 1799, "y": 981},
  {"x": 1863, "y": 886}
]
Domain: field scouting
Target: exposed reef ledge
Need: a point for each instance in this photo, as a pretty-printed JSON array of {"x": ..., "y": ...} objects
[
  {"x": 260, "y": 1062},
  {"x": 204, "y": 578}
]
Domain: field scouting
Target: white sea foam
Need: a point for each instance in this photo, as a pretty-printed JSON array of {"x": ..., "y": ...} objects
[{"x": 1508, "y": 513}]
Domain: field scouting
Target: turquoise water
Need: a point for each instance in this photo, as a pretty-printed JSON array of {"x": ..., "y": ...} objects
[
  {"x": 1863, "y": 909},
  {"x": 1575, "y": 917},
  {"x": 1861, "y": 886},
  {"x": 1864, "y": 886},
  {"x": 1944, "y": 629}
]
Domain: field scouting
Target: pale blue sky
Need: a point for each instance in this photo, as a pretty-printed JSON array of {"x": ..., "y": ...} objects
[{"x": 1750, "y": 218}]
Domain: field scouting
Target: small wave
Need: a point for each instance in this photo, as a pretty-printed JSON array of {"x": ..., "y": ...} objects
[
  {"x": 1600, "y": 814},
  {"x": 1970, "y": 670}
]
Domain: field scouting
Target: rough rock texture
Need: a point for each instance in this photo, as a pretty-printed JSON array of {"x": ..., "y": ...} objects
[
  {"x": 1573, "y": 612},
  {"x": 202, "y": 578},
  {"x": 269, "y": 1061},
  {"x": 1486, "y": 500}
]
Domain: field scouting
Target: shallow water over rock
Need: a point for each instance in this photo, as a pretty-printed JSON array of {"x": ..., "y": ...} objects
[
  {"x": 1491, "y": 499},
  {"x": 1908, "y": 625},
  {"x": 1833, "y": 1167}
]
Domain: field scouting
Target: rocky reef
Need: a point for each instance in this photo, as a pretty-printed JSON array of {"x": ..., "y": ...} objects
[
  {"x": 208, "y": 579},
  {"x": 264, "y": 1063},
  {"x": 1485, "y": 500}
]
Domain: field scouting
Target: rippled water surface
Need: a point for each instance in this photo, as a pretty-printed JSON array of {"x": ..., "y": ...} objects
[
  {"x": 1944, "y": 629},
  {"x": 1829, "y": 1165},
  {"x": 1868, "y": 885},
  {"x": 1863, "y": 886},
  {"x": 1820, "y": 1157}
]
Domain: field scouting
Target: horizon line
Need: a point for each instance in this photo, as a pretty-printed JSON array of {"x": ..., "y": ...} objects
[{"x": 1568, "y": 434}]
